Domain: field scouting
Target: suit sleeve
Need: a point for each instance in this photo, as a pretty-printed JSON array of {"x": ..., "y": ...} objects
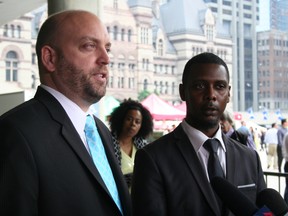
[
  {"x": 148, "y": 198},
  {"x": 261, "y": 182},
  {"x": 18, "y": 178}
]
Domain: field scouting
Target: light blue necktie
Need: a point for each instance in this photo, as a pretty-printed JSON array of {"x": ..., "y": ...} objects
[{"x": 98, "y": 154}]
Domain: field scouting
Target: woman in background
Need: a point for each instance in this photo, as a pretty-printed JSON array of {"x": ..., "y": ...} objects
[{"x": 130, "y": 123}]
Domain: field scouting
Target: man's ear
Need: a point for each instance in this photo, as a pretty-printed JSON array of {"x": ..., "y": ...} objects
[
  {"x": 228, "y": 99},
  {"x": 48, "y": 56},
  {"x": 182, "y": 92}
]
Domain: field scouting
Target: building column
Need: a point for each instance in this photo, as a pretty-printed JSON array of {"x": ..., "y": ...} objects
[{"x": 94, "y": 6}]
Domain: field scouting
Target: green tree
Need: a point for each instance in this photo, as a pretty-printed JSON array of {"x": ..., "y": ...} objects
[{"x": 143, "y": 94}]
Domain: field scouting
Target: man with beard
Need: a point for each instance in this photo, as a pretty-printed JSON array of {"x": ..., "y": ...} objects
[
  {"x": 46, "y": 161},
  {"x": 172, "y": 174}
]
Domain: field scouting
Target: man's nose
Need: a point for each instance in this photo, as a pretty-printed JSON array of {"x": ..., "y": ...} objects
[{"x": 210, "y": 94}]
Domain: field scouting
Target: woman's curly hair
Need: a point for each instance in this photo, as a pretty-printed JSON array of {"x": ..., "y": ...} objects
[{"x": 118, "y": 114}]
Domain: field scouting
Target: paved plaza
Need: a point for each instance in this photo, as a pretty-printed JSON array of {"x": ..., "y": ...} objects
[{"x": 272, "y": 181}]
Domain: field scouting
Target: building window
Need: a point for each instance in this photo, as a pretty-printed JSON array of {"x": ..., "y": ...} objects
[
  {"x": 129, "y": 35},
  {"x": 115, "y": 32},
  {"x": 145, "y": 64},
  {"x": 173, "y": 70},
  {"x": 173, "y": 88},
  {"x": 131, "y": 83},
  {"x": 145, "y": 84},
  {"x": 5, "y": 33},
  {"x": 131, "y": 68},
  {"x": 160, "y": 47},
  {"x": 34, "y": 58},
  {"x": 161, "y": 87},
  {"x": 166, "y": 87},
  {"x": 18, "y": 32},
  {"x": 209, "y": 32},
  {"x": 12, "y": 31},
  {"x": 144, "y": 35},
  {"x": 155, "y": 86},
  {"x": 111, "y": 79},
  {"x": 122, "y": 34},
  {"x": 11, "y": 63}
]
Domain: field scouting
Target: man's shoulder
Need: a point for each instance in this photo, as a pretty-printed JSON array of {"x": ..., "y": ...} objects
[{"x": 240, "y": 136}]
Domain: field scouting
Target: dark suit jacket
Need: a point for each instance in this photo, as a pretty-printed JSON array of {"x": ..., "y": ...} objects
[
  {"x": 170, "y": 180},
  {"x": 45, "y": 168}
]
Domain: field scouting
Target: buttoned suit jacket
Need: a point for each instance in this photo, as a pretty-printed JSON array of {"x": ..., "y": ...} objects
[
  {"x": 45, "y": 168},
  {"x": 170, "y": 180}
]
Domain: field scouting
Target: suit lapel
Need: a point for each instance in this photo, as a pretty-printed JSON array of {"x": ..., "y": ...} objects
[
  {"x": 230, "y": 160},
  {"x": 190, "y": 156},
  {"x": 69, "y": 133},
  {"x": 117, "y": 173},
  {"x": 76, "y": 143}
]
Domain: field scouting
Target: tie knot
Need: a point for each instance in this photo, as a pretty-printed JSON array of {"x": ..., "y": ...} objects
[
  {"x": 90, "y": 124},
  {"x": 211, "y": 145}
]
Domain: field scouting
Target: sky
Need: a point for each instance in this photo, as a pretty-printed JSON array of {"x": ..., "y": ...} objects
[{"x": 264, "y": 15}]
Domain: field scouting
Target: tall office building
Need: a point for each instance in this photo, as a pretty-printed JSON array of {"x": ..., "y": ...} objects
[
  {"x": 240, "y": 19},
  {"x": 273, "y": 59},
  {"x": 273, "y": 70},
  {"x": 279, "y": 15}
]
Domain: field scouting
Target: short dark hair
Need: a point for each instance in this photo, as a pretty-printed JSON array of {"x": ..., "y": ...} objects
[
  {"x": 203, "y": 58},
  {"x": 283, "y": 121},
  {"x": 118, "y": 114}
]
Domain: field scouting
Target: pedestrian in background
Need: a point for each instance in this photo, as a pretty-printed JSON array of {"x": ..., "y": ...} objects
[
  {"x": 281, "y": 133},
  {"x": 285, "y": 155},
  {"x": 271, "y": 139},
  {"x": 131, "y": 124}
]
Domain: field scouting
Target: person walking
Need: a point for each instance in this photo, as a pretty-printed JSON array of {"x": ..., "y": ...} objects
[
  {"x": 281, "y": 133},
  {"x": 271, "y": 139}
]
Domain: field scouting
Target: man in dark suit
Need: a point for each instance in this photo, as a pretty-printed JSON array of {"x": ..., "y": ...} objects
[
  {"x": 171, "y": 175},
  {"x": 45, "y": 165}
]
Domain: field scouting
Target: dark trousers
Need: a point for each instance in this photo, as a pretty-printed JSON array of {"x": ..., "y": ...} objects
[
  {"x": 280, "y": 156},
  {"x": 286, "y": 189}
]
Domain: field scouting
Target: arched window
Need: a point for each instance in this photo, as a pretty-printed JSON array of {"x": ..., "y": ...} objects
[
  {"x": 12, "y": 31},
  {"x": 11, "y": 64},
  {"x": 18, "y": 31}
]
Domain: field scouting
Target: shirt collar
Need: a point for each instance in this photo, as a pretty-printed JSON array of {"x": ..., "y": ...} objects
[{"x": 197, "y": 138}]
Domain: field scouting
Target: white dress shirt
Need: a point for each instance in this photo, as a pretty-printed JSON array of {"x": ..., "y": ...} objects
[
  {"x": 75, "y": 113},
  {"x": 197, "y": 139}
]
